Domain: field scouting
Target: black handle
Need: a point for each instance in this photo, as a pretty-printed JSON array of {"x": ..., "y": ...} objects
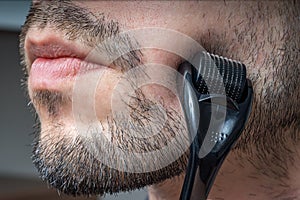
[{"x": 221, "y": 87}]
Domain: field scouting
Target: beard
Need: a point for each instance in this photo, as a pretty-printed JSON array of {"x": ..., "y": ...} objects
[
  {"x": 62, "y": 156},
  {"x": 64, "y": 160},
  {"x": 74, "y": 170}
]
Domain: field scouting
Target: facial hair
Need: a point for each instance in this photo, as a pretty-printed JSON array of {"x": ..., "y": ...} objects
[
  {"x": 275, "y": 81},
  {"x": 64, "y": 161},
  {"x": 67, "y": 165}
]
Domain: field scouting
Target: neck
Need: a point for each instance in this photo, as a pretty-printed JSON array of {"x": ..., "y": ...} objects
[
  {"x": 240, "y": 179},
  {"x": 236, "y": 182}
]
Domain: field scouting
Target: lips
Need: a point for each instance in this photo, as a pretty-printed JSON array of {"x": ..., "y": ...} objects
[
  {"x": 54, "y": 62},
  {"x": 52, "y": 73}
]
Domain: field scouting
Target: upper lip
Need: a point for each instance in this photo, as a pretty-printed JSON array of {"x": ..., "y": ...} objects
[{"x": 50, "y": 44}]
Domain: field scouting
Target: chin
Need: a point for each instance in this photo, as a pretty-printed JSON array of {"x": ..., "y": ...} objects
[{"x": 65, "y": 161}]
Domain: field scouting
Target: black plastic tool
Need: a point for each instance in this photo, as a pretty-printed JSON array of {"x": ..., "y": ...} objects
[{"x": 217, "y": 100}]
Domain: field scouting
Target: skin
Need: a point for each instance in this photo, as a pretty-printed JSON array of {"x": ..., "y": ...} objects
[{"x": 262, "y": 35}]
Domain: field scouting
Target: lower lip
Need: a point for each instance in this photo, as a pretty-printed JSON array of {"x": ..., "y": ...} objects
[{"x": 54, "y": 73}]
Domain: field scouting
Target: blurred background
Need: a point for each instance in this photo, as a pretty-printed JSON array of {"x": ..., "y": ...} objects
[{"x": 18, "y": 177}]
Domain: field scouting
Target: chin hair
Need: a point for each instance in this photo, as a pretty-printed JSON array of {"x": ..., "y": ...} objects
[{"x": 67, "y": 165}]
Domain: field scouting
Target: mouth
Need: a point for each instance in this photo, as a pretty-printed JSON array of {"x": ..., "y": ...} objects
[{"x": 54, "y": 62}]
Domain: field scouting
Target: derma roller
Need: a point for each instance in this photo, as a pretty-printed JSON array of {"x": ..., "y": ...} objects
[{"x": 222, "y": 94}]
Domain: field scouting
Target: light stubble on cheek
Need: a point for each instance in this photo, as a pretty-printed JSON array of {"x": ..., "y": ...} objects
[{"x": 266, "y": 41}]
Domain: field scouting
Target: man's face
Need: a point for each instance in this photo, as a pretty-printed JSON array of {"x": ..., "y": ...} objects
[{"x": 67, "y": 74}]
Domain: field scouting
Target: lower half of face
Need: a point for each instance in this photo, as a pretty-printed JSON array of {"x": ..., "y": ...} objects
[{"x": 108, "y": 130}]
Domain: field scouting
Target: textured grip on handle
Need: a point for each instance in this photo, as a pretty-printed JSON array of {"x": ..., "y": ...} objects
[{"x": 232, "y": 75}]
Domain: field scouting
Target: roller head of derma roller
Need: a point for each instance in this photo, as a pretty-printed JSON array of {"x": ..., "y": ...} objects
[{"x": 222, "y": 94}]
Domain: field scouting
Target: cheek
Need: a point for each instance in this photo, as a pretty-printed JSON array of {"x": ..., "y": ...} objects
[
  {"x": 163, "y": 95},
  {"x": 104, "y": 93},
  {"x": 115, "y": 94}
]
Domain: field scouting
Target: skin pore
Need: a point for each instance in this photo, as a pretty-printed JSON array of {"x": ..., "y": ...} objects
[{"x": 262, "y": 35}]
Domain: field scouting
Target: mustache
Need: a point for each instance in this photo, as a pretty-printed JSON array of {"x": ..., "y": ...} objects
[{"x": 79, "y": 24}]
